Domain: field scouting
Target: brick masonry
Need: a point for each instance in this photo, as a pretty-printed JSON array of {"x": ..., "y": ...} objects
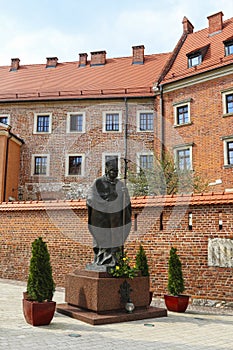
[{"x": 63, "y": 225}]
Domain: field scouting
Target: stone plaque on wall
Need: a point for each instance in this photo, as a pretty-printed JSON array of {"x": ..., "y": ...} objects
[{"x": 220, "y": 252}]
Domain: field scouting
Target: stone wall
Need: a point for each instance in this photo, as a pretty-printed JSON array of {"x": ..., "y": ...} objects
[{"x": 158, "y": 223}]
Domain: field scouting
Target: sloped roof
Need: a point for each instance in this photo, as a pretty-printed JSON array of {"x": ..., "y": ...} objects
[
  {"x": 118, "y": 77},
  {"x": 214, "y": 56}
]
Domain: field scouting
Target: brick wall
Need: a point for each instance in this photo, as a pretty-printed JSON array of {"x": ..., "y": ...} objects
[{"x": 63, "y": 225}]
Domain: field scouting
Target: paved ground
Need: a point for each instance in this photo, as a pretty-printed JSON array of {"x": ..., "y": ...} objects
[{"x": 202, "y": 329}]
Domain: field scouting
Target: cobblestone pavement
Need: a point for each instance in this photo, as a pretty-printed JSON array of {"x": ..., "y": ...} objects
[{"x": 193, "y": 330}]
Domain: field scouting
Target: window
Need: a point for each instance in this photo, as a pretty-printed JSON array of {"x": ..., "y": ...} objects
[
  {"x": 228, "y": 152},
  {"x": 194, "y": 60},
  {"x": 182, "y": 113},
  {"x": 227, "y": 102},
  {"x": 145, "y": 162},
  {"x": 183, "y": 157},
  {"x": 42, "y": 123},
  {"x": 228, "y": 47},
  {"x": 196, "y": 57},
  {"x": 108, "y": 156},
  {"x": 4, "y": 119},
  {"x": 40, "y": 165},
  {"x": 145, "y": 121},
  {"x": 112, "y": 122},
  {"x": 75, "y": 165},
  {"x": 75, "y": 122}
]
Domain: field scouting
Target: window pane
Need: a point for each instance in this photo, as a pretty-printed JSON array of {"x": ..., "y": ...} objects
[
  {"x": 4, "y": 120},
  {"x": 229, "y": 103},
  {"x": 40, "y": 165},
  {"x": 76, "y": 122},
  {"x": 42, "y": 123},
  {"x": 195, "y": 60},
  {"x": 229, "y": 48},
  {"x": 230, "y": 152},
  {"x": 183, "y": 159},
  {"x": 182, "y": 115},
  {"x": 146, "y": 161},
  {"x": 146, "y": 121},
  {"x": 112, "y": 122},
  {"x": 75, "y": 165}
]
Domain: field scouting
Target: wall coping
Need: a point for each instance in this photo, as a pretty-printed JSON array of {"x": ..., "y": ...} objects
[{"x": 137, "y": 202}]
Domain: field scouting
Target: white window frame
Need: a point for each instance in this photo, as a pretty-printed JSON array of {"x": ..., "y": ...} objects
[
  {"x": 104, "y": 121},
  {"x": 138, "y": 168},
  {"x": 111, "y": 155},
  {"x": 34, "y": 156},
  {"x": 182, "y": 148},
  {"x": 225, "y": 150},
  {"x": 175, "y": 109},
  {"x": 224, "y": 94},
  {"x": 36, "y": 115},
  {"x": 195, "y": 56},
  {"x": 67, "y": 164},
  {"x": 139, "y": 112},
  {"x": 5, "y": 116},
  {"x": 69, "y": 115}
]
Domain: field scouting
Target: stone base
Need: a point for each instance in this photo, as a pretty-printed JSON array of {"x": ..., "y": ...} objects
[
  {"x": 100, "y": 292},
  {"x": 94, "y": 318}
]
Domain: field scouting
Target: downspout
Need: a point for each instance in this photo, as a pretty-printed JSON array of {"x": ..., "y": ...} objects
[
  {"x": 6, "y": 166},
  {"x": 162, "y": 139},
  {"x": 125, "y": 169}
]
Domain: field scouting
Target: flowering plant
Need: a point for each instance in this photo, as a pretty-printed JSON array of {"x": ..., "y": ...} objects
[{"x": 123, "y": 268}]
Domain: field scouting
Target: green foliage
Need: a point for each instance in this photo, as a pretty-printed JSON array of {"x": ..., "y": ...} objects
[
  {"x": 141, "y": 261},
  {"x": 123, "y": 268},
  {"x": 40, "y": 284},
  {"x": 175, "y": 277},
  {"x": 164, "y": 178}
]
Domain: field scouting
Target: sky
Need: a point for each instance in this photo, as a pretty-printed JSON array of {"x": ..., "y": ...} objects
[{"x": 34, "y": 30}]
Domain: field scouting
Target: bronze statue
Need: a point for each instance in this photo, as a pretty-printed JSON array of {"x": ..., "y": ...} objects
[{"x": 109, "y": 215}]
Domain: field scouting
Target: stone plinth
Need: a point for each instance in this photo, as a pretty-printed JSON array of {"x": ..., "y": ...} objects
[{"x": 100, "y": 292}]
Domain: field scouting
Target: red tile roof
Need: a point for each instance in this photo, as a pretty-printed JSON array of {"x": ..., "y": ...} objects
[
  {"x": 118, "y": 77},
  {"x": 137, "y": 202},
  {"x": 214, "y": 57}
]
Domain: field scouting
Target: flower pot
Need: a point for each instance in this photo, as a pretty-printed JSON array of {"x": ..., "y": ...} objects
[
  {"x": 38, "y": 314},
  {"x": 177, "y": 303}
]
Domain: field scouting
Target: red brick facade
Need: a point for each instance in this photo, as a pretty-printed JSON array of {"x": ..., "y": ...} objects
[{"x": 64, "y": 227}]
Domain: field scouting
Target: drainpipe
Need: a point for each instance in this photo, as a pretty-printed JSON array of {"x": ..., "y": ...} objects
[
  {"x": 6, "y": 166},
  {"x": 161, "y": 123},
  {"x": 126, "y": 141}
]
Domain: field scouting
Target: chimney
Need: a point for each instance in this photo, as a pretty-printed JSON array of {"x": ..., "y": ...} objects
[
  {"x": 215, "y": 23},
  {"x": 51, "y": 62},
  {"x": 82, "y": 59},
  {"x": 138, "y": 54},
  {"x": 187, "y": 26},
  {"x": 14, "y": 64},
  {"x": 98, "y": 58}
]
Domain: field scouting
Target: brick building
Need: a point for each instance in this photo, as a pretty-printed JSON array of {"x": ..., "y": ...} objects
[{"x": 73, "y": 115}]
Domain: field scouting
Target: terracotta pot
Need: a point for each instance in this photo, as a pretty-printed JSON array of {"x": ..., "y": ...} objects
[
  {"x": 38, "y": 314},
  {"x": 177, "y": 303}
]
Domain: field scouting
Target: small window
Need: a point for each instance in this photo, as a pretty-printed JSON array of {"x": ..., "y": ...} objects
[
  {"x": 4, "y": 119},
  {"x": 145, "y": 162},
  {"x": 42, "y": 123},
  {"x": 229, "y": 152},
  {"x": 112, "y": 122},
  {"x": 229, "y": 48},
  {"x": 75, "y": 165},
  {"x": 108, "y": 156},
  {"x": 40, "y": 165},
  {"x": 145, "y": 121},
  {"x": 227, "y": 103},
  {"x": 194, "y": 59},
  {"x": 183, "y": 158},
  {"x": 75, "y": 122}
]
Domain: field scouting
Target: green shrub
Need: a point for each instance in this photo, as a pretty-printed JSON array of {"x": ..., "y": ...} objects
[
  {"x": 141, "y": 261},
  {"x": 175, "y": 276},
  {"x": 40, "y": 284}
]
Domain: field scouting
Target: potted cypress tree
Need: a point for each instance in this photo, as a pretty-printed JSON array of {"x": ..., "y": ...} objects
[
  {"x": 38, "y": 306},
  {"x": 175, "y": 301},
  {"x": 142, "y": 265}
]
